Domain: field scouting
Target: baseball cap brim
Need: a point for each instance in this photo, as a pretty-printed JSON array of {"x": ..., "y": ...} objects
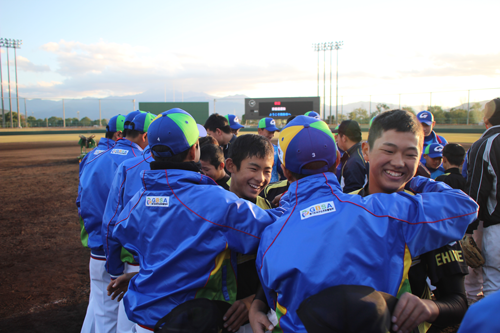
[
  {"x": 236, "y": 126},
  {"x": 428, "y": 123},
  {"x": 203, "y": 131},
  {"x": 434, "y": 155},
  {"x": 272, "y": 128}
]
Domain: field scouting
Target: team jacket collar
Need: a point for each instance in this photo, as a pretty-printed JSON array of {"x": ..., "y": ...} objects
[
  {"x": 490, "y": 131},
  {"x": 453, "y": 171},
  {"x": 312, "y": 186},
  {"x": 431, "y": 137},
  {"x": 349, "y": 152},
  {"x": 127, "y": 143},
  {"x": 105, "y": 142},
  {"x": 162, "y": 179}
]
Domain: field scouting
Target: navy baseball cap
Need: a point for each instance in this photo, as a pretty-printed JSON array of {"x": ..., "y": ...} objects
[
  {"x": 305, "y": 140},
  {"x": 313, "y": 114},
  {"x": 348, "y": 308},
  {"x": 116, "y": 123},
  {"x": 233, "y": 121},
  {"x": 130, "y": 117},
  {"x": 434, "y": 150},
  {"x": 268, "y": 124},
  {"x": 175, "y": 129},
  {"x": 142, "y": 121},
  {"x": 425, "y": 117}
]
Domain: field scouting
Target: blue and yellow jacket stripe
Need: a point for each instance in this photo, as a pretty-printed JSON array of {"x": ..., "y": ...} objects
[
  {"x": 328, "y": 238},
  {"x": 188, "y": 246}
]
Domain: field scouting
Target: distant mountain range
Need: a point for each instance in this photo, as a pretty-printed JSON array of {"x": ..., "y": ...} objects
[{"x": 110, "y": 106}]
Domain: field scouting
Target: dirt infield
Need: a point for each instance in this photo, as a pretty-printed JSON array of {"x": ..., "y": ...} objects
[{"x": 44, "y": 278}]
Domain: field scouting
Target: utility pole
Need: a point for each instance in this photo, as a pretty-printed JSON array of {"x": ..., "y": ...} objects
[{"x": 337, "y": 47}]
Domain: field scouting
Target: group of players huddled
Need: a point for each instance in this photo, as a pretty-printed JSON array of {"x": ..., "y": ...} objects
[{"x": 201, "y": 229}]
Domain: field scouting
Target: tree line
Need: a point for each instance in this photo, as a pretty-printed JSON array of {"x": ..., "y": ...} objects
[
  {"x": 453, "y": 116},
  {"x": 52, "y": 121}
]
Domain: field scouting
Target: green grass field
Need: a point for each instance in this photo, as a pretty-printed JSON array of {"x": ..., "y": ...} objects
[{"x": 451, "y": 137}]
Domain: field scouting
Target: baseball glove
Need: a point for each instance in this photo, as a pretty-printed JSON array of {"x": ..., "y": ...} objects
[{"x": 472, "y": 253}]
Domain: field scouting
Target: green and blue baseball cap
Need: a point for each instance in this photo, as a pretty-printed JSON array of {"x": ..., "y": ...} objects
[
  {"x": 142, "y": 121},
  {"x": 305, "y": 140},
  {"x": 425, "y": 117},
  {"x": 116, "y": 124},
  {"x": 313, "y": 114},
  {"x": 268, "y": 124},
  {"x": 233, "y": 121},
  {"x": 175, "y": 129},
  {"x": 130, "y": 117},
  {"x": 434, "y": 150}
]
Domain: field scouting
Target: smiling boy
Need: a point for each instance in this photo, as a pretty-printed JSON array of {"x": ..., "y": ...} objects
[
  {"x": 373, "y": 237},
  {"x": 393, "y": 152}
]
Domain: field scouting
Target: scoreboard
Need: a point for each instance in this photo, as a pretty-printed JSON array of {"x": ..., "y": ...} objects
[{"x": 280, "y": 108}]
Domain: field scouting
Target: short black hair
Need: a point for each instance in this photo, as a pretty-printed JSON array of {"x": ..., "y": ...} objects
[
  {"x": 249, "y": 145},
  {"x": 178, "y": 158},
  {"x": 454, "y": 153},
  {"x": 216, "y": 121},
  {"x": 289, "y": 119},
  {"x": 398, "y": 120},
  {"x": 312, "y": 166},
  {"x": 208, "y": 140},
  {"x": 109, "y": 135},
  {"x": 132, "y": 134},
  {"x": 212, "y": 154}
]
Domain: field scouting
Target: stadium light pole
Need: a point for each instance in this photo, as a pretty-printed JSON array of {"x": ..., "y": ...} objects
[
  {"x": 337, "y": 47},
  {"x": 1, "y": 83},
  {"x": 324, "y": 47},
  {"x": 330, "y": 48},
  {"x": 317, "y": 47},
  {"x": 17, "y": 45},
  {"x": 13, "y": 44}
]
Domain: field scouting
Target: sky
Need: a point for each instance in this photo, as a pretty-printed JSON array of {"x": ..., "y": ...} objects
[{"x": 76, "y": 49}]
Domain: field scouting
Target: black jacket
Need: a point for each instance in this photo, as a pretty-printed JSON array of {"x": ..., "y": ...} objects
[
  {"x": 483, "y": 170},
  {"x": 354, "y": 172},
  {"x": 454, "y": 178}
]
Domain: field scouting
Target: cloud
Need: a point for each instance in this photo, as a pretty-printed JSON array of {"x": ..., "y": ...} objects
[
  {"x": 110, "y": 69},
  {"x": 28, "y": 66},
  {"x": 456, "y": 65}
]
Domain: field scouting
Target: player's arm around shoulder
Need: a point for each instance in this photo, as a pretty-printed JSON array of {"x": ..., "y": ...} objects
[
  {"x": 433, "y": 217},
  {"x": 242, "y": 222}
]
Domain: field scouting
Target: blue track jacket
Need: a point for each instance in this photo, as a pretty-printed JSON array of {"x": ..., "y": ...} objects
[
  {"x": 126, "y": 184},
  {"x": 329, "y": 238},
  {"x": 185, "y": 232},
  {"x": 96, "y": 181},
  {"x": 103, "y": 145}
]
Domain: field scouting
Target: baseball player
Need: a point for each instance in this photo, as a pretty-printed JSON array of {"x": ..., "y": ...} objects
[
  {"x": 114, "y": 131},
  {"x": 218, "y": 127},
  {"x": 235, "y": 125},
  {"x": 267, "y": 128},
  {"x": 426, "y": 118},
  {"x": 374, "y": 236},
  {"x": 96, "y": 181},
  {"x": 433, "y": 155},
  {"x": 126, "y": 183},
  {"x": 445, "y": 267}
]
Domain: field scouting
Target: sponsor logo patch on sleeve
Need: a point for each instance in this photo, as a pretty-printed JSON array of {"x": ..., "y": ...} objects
[
  {"x": 157, "y": 201},
  {"x": 318, "y": 209},
  {"x": 119, "y": 152}
]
